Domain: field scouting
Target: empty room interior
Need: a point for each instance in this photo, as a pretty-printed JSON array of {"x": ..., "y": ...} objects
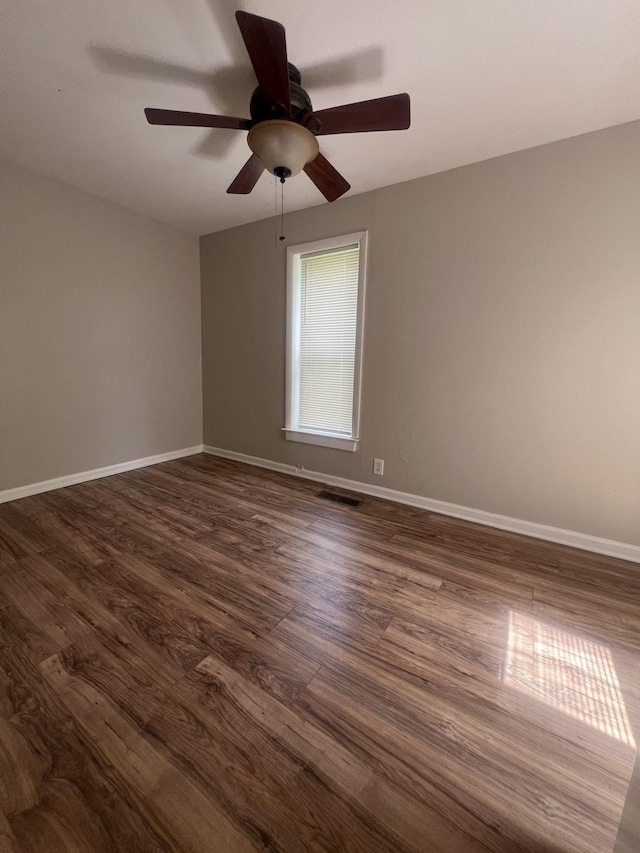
[{"x": 320, "y": 426}]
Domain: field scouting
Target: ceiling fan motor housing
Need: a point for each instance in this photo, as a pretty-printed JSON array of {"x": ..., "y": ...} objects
[{"x": 262, "y": 109}]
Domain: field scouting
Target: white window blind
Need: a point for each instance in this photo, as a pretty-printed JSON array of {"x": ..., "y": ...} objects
[{"x": 328, "y": 327}]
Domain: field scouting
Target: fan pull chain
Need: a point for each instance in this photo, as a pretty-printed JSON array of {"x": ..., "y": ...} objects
[
  {"x": 282, "y": 237},
  {"x": 275, "y": 213}
]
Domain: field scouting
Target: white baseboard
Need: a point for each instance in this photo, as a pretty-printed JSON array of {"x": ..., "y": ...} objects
[
  {"x": 503, "y": 522},
  {"x": 95, "y": 474}
]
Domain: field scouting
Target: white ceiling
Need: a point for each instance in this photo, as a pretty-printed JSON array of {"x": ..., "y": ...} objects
[{"x": 486, "y": 77}]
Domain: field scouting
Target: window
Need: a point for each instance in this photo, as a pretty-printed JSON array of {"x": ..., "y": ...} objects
[{"x": 325, "y": 307}]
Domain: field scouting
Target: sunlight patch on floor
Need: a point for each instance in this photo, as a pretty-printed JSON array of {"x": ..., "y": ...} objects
[{"x": 568, "y": 672}]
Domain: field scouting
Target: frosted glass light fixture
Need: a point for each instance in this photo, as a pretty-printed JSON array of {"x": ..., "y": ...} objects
[{"x": 284, "y": 147}]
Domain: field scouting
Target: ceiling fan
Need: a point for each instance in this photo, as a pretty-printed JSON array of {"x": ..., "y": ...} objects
[{"x": 283, "y": 126}]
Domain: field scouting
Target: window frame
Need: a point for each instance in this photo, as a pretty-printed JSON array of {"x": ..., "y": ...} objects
[{"x": 291, "y": 428}]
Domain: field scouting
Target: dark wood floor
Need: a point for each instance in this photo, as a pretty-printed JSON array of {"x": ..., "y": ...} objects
[{"x": 202, "y": 656}]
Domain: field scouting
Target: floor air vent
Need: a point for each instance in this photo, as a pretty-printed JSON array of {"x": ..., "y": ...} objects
[{"x": 339, "y": 499}]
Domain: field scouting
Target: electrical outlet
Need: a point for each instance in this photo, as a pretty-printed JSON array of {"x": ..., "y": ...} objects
[{"x": 378, "y": 466}]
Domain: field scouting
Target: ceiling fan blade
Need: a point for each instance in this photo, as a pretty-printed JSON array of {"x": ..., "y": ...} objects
[
  {"x": 390, "y": 113},
  {"x": 328, "y": 180},
  {"x": 186, "y": 119},
  {"x": 266, "y": 45},
  {"x": 247, "y": 177}
]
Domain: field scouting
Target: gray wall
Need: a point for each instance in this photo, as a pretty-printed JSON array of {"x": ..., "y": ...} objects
[
  {"x": 502, "y": 335},
  {"x": 628, "y": 840},
  {"x": 99, "y": 332}
]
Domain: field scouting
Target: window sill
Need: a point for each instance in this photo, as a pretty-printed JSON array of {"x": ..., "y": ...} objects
[{"x": 335, "y": 441}]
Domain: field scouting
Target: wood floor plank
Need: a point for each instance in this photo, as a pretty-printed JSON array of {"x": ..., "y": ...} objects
[
  {"x": 410, "y": 753},
  {"x": 215, "y": 723},
  {"x": 89, "y": 524},
  {"x": 194, "y": 820},
  {"x": 70, "y": 781},
  {"x": 217, "y": 575},
  {"x": 479, "y": 570},
  {"x": 20, "y": 772},
  {"x": 49, "y": 612},
  {"x": 473, "y": 677},
  {"x": 20, "y": 535},
  {"x": 15, "y": 541},
  {"x": 62, "y": 577},
  {"x": 91, "y": 642},
  {"x": 18, "y": 629},
  {"x": 500, "y": 546},
  {"x": 182, "y": 624},
  {"x": 620, "y": 625},
  {"x": 62, "y": 822},
  {"x": 133, "y": 504},
  {"x": 8, "y": 841},
  {"x": 327, "y": 634},
  {"x": 341, "y": 771},
  {"x": 489, "y": 704},
  {"x": 60, "y": 530},
  {"x": 383, "y": 583},
  {"x": 206, "y": 656}
]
